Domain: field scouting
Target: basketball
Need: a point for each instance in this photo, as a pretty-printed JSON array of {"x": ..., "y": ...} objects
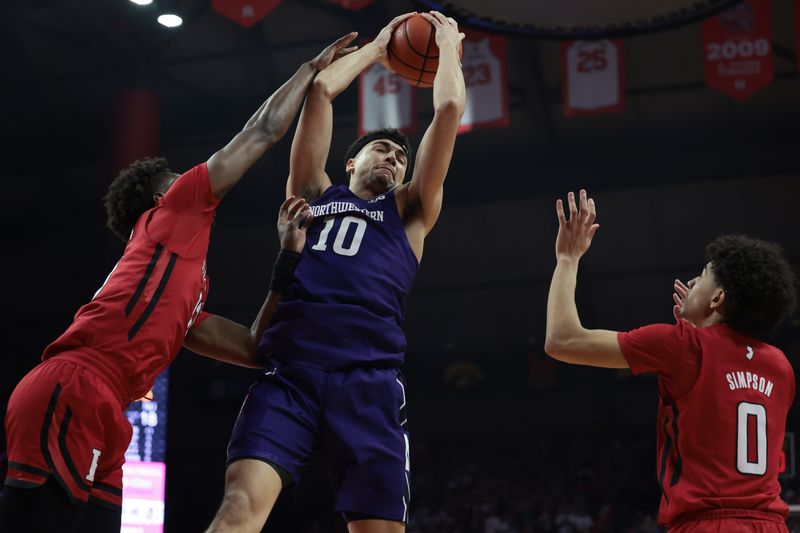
[{"x": 413, "y": 53}]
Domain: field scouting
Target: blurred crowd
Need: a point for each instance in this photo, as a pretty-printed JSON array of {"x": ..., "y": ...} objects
[
  {"x": 560, "y": 484},
  {"x": 554, "y": 484}
]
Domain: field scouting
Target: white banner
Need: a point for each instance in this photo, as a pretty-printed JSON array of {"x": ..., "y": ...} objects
[
  {"x": 385, "y": 101},
  {"x": 593, "y": 77},
  {"x": 484, "y": 68}
]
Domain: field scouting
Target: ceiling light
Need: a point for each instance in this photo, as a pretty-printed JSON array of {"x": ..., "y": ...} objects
[
  {"x": 170, "y": 20},
  {"x": 142, "y": 2}
]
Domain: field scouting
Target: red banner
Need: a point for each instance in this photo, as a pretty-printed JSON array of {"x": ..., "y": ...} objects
[
  {"x": 385, "y": 101},
  {"x": 244, "y": 12},
  {"x": 737, "y": 45},
  {"x": 797, "y": 31},
  {"x": 484, "y": 66},
  {"x": 593, "y": 77},
  {"x": 136, "y": 127},
  {"x": 352, "y": 5}
]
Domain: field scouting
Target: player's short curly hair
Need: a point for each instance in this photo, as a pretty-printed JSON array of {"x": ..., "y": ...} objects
[
  {"x": 392, "y": 134},
  {"x": 131, "y": 194},
  {"x": 758, "y": 282}
]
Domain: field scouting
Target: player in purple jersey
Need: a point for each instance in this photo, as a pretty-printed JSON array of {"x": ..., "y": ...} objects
[
  {"x": 336, "y": 343},
  {"x": 65, "y": 424}
]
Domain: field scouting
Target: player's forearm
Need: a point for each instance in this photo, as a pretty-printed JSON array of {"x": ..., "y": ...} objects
[
  {"x": 282, "y": 276},
  {"x": 223, "y": 340},
  {"x": 449, "y": 90},
  {"x": 264, "y": 316},
  {"x": 276, "y": 114},
  {"x": 252, "y": 120},
  {"x": 563, "y": 322},
  {"x": 336, "y": 77},
  {"x": 436, "y": 148}
]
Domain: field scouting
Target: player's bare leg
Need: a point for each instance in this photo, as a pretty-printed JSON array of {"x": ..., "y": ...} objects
[
  {"x": 374, "y": 525},
  {"x": 251, "y": 489}
]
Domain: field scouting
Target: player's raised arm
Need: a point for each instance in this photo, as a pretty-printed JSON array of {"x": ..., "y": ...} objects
[
  {"x": 231, "y": 342},
  {"x": 270, "y": 122},
  {"x": 449, "y": 101},
  {"x": 312, "y": 139},
  {"x": 567, "y": 340}
]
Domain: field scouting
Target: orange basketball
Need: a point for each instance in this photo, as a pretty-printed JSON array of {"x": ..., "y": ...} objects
[{"x": 413, "y": 53}]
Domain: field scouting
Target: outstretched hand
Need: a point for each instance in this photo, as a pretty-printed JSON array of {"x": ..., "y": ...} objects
[
  {"x": 294, "y": 218},
  {"x": 575, "y": 235},
  {"x": 679, "y": 297},
  {"x": 446, "y": 29},
  {"x": 385, "y": 35},
  {"x": 334, "y": 51}
]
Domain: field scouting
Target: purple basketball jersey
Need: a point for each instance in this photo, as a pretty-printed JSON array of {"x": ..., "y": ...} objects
[{"x": 347, "y": 303}]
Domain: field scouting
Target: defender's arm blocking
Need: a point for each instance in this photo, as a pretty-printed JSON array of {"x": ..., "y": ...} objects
[
  {"x": 567, "y": 340},
  {"x": 269, "y": 123},
  {"x": 230, "y": 342},
  {"x": 312, "y": 139}
]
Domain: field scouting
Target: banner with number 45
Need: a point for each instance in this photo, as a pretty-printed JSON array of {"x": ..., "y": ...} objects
[{"x": 385, "y": 101}]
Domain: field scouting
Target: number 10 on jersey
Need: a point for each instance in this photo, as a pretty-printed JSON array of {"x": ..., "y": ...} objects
[{"x": 349, "y": 226}]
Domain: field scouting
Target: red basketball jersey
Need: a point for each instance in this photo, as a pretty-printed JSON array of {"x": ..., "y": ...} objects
[
  {"x": 136, "y": 322},
  {"x": 722, "y": 416}
]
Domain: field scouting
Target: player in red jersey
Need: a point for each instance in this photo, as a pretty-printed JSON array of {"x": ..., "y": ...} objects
[
  {"x": 65, "y": 423},
  {"x": 725, "y": 393}
]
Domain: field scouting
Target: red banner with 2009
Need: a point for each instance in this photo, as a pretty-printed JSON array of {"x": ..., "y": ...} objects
[{"x": 737, "y": 45}]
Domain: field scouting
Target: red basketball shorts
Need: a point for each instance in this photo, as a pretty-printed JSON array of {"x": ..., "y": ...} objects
[{"x": 65, "y": 421}]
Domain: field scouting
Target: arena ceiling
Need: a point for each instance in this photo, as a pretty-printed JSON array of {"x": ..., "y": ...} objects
[{"x": 65, "y": 62}]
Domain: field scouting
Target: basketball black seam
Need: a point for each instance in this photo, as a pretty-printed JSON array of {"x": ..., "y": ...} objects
[
  {"x": 408, "y": 39},
  {"x": 409, "y": 80},
  {"x": 413, "y": 68},
  {"x": 431, "y": 35}
]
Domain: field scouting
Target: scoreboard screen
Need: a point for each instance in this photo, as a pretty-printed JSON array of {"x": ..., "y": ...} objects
[{"x": 144, "y": 471}]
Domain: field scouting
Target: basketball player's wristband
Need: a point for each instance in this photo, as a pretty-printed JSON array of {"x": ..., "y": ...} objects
[{"x": 283, "y": 270}]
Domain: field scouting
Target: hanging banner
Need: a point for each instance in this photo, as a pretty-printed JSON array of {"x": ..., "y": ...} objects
[
  {"x": 484, "y": 66},
  {"x": 245, "y": 13},
  {"x": 136, "y": 126},
  {"x": 797, "y": 31},
  {"x": 737, "y": 45},
  {"x": 352, "y": 5},
  {"x": 593, "y": 77},
  {"x": 385, "y": 101}
]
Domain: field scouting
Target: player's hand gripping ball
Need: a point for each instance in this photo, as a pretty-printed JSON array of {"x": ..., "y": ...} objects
[{"x": 413, "y": 52}]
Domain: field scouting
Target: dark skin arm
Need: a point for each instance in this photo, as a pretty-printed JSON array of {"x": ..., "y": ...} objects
[
  {"x": 230, "y": 342},
  {"x": 312, "y": 138},
  {"x": 270, "y": 122}
]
